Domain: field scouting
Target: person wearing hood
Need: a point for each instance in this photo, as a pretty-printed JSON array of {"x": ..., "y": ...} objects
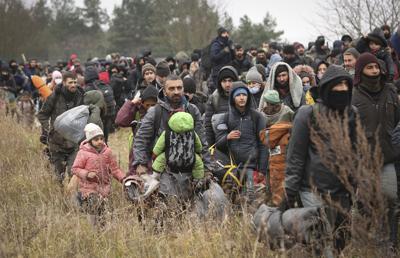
[
  {"x": 218, "y": 101},
  {"x": 65, "y": 96},
  {"x": 288, "y": 84},
  {"x": 386, "y": 31},
  {"x": 97, "y": 107},
  {"x": 238, "y": 133},
  {"x": 275, "y": 58},
  {"x": 56, "y": 78},
  {"x": 19, "y": 76},
  {"x": 350, "y": 57},
  {"x": 221, "y": 53},
  {"x": 379, "y": 108},
  {"x": 376, "y": 44},
  {"x": 305, "y": 167},
  {"x": 347, "y": 41},
  {"x": 256, "y": 86}
]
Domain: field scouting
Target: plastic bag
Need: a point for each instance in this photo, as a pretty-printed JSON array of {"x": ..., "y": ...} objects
[{"x": 71, "y": 123}]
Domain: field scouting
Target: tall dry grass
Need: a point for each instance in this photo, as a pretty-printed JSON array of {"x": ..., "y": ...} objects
[
  {"x": 37, "y": 220},
  {"x": 358, "y": 165}
]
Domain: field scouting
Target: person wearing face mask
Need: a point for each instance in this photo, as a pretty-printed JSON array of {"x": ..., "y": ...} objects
[
  {"x": 305, "y": 168},
  {"x": 320, "y": 69},
  {"x": 19, "y": 76},
  {"x": 287, "y": 83},
  {"x": 379, "y": 108},
  {"x": 255, "y": 85},
  {"x": 221, "y": 53}
]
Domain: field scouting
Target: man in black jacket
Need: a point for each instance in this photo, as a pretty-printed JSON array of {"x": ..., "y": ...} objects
[
  {"x": 218, "y": 102},
  {"x": 66, "y": 96},
  {"x": 305, "y": 166},
  {"x": 239, "y": 132},
  {"x": 379, "y": 108},
  {"x": 221, "y": 52}
]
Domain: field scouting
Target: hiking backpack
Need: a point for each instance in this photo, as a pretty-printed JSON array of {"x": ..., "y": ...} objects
[
  {"x": 180, "y": 150},
  {"x": 108, "y": 96}
]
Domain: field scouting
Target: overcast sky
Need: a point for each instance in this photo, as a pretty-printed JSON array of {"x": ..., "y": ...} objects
[{"x": 293, "y": 17}]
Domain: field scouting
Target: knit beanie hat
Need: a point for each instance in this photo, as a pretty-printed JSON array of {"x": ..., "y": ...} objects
[
  {"x": 221, "y": 30},
  {"x": 189, "y": 85},
  {"x": 239, "y": 91},
  {"x": 362, "y": 61},
  {"x": 91, "y": 74},
  {"x": 92, "y": 130},
  {"x": 150, "y": 92},
  {"x": 162, "y": 69},
  {"x": 147, "y": 67},
  {"x": 353, "y": 52},
  {"x": 254, "y": 76},
  {"x": 272, "y": 97}
]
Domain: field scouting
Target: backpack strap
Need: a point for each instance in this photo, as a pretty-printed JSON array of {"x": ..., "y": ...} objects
[
  {"x": 157, "y": 118},
  {"x": 167, "y": 138}
]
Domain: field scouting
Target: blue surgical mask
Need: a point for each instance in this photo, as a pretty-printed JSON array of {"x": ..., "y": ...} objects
[{"x": 254, "y": 90}]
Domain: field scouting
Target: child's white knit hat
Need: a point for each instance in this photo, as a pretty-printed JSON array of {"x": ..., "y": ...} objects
[{"x": 92, "y": 130}]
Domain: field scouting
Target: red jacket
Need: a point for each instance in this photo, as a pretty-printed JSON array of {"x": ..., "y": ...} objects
[{"x": 103, "y": 164}]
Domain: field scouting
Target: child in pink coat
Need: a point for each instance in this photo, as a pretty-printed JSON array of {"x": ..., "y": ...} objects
[{"x": 94, "y": 165}]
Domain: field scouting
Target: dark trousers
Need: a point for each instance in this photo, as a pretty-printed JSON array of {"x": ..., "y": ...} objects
[{"x": 62, "y": 161}]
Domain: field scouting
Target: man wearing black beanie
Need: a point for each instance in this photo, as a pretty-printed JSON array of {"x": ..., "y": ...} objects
[
  {"x": 379, "y": 108},
  {"x": 189, "y": 86}
]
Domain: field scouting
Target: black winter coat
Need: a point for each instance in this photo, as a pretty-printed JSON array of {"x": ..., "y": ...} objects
[
  {"x": 304, "y": 165},
  {"x": 381, "y": 112},
  {"x": 248, "y": 150}
]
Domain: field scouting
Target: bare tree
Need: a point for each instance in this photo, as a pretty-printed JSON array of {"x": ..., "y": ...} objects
[{"x": 358, "y": 17}]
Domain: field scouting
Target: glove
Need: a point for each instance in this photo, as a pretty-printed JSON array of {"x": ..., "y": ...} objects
[
  {"x": 289, "y": 201},
  {"x": 209, "y": 177},
  {"x": 226, "y": 49},
  {"x": 44, "y": 137},
  {"x": 141, "y": 170}
]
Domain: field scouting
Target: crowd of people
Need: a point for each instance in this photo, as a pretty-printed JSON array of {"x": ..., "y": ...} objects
[{"x": 251, "y": 106}]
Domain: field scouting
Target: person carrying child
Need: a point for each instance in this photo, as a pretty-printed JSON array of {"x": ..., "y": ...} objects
[
  {"x": 94, "y": 165},
  {"x": 179, "y": 148}
]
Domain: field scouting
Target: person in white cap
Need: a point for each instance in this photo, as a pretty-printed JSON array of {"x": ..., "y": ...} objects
[{"x": 94, "y": 165}]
